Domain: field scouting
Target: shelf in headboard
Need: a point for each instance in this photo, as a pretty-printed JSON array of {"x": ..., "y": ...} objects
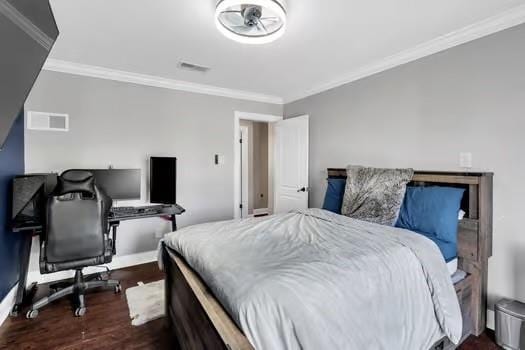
[
  {"x": 466, "y": 178},
  {"x": 468, "y": 239},
  {"x": 444, "y": 178}
]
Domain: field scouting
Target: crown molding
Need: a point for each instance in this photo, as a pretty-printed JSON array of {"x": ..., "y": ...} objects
[
  {"x": 55, "y": 65},
  {"x": 491, "y": 25}
]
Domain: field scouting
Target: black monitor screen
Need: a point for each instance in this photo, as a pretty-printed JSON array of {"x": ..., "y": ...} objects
[
  {"x": 163, "y": 180},
  {"x": 119, "y": 184}
]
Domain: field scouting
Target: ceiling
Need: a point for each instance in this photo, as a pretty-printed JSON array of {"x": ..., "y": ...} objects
[{"x": 327, "y": 43}]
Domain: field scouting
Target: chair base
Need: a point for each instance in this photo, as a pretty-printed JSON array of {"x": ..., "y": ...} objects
[{"x": 78, "y": 289}]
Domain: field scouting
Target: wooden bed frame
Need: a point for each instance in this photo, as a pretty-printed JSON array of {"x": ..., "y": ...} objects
[{"x": 199, "y": 322}]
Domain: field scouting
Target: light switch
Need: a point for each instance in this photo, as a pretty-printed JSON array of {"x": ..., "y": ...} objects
[
  {"x": 219, "y": 159},
  {"x": 465, "y": 160}
]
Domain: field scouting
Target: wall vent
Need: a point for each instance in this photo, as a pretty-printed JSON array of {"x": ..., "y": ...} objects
[
  {"x": 47, "y": 121},
  {"x": 193, "y": 67}
]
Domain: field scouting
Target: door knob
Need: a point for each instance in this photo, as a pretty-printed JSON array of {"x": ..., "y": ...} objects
[{"x": 303, "y": 189}]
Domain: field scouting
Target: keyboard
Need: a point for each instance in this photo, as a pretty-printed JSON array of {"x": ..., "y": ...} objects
[
  {"x": 146, "y": 210},
  {"x": 121, "y": 211}
]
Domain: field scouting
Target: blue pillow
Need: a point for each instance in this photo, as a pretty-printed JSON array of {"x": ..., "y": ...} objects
[
  {"x": 432, "y": 210},
  {"x": 449, "y": 250},
  {"x": 333, "y": 199}
]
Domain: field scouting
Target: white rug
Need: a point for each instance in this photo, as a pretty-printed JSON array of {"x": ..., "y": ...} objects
[{"x": 146, "y": 302}]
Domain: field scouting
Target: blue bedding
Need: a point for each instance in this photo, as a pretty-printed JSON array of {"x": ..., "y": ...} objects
[
  {"x": 433, "y": 210},
  {"x": 448, "y": 249}
]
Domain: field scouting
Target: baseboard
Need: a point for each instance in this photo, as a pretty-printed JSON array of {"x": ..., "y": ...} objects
[
  {"x": 7, "y": 304},
  {"x": 118, "y": 262},
  {"x": 491, "y": 323},
  {"x": 261, "y": 211}
]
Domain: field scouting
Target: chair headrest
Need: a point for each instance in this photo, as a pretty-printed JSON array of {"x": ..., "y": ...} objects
[{"x": 75, "y": 181}]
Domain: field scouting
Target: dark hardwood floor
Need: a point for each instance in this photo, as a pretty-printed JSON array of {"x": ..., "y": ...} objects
[
  {"x": 483, "y": 342},
  {"x": 106, "y": 324}
]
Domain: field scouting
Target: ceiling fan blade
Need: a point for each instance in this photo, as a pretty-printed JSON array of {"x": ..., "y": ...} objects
[
  {"x": 229, "y": 13},
  {"x": 232, "y": 17},
  {"x": 242, "y": 29},
  {"x": 262, "y": 25}
]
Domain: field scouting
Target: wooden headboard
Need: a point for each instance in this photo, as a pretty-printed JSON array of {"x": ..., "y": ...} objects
[{"x": 474, "y": 231}]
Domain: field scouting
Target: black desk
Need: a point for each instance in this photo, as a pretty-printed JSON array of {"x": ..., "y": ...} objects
[
  {"x": 24, "y": 296},
  {"x": 170, "y": 211}
]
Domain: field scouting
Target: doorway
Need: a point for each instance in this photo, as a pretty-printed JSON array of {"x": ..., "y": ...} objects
[
  {"x": 255, "y": 168},
  {"x": 286, "y": 170},
  {"x": 253, "y": 159}
]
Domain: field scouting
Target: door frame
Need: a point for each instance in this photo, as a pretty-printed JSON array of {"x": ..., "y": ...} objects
[
  {"x": 245, "y": 171},
  {"x": 237, "y": 116}
]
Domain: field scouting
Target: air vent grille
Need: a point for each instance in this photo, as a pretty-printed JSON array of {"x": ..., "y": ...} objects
[
  {"x": 47, "y": 121},
  {"x": 193, "y": 67}
]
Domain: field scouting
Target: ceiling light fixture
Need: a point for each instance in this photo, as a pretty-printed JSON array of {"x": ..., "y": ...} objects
[{"x": 251, "y": 21}]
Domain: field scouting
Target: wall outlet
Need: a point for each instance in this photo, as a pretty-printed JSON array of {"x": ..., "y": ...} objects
[{"x": 465, "y": 160}]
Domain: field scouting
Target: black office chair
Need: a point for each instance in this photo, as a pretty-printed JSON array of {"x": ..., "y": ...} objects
[{"x": 75, "y": 235}]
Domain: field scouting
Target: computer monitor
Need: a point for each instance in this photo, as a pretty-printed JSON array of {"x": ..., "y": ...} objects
[
  {"x": 119, "y": 184},
  {"x": 29, "y": 195},
  {"x": 163, "y": 180}
]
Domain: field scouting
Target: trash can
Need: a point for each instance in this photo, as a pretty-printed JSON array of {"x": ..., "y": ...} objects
[{"x": 510, "y": 324}]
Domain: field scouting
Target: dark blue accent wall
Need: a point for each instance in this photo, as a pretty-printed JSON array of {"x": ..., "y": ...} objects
[{"x": 11, "y": 163}]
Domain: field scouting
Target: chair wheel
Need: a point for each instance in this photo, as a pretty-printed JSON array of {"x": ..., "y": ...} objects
[
  {"x": 118, "y": 289},
  {"x": 32, "y": 314},
  {"x": 80, "y": 311}
]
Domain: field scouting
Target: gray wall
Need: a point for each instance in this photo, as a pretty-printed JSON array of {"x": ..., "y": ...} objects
[
  {"x": 123, "y": 124},
  {"x": 422, "y": 115}
]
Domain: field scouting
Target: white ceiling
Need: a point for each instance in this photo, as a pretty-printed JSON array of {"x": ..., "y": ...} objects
[{"x": 326, "y": 41}]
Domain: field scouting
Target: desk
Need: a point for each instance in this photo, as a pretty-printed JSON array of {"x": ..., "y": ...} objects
[{"x": 24, "y": 296}]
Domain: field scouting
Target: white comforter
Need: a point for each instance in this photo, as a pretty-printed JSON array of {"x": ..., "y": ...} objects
[{"x": 318, "y": 280}]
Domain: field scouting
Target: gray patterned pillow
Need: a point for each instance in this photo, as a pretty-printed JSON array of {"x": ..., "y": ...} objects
[{"x": 374, "y": 194}]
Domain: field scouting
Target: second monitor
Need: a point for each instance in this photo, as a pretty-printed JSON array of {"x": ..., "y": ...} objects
[
  {"x": 163, "y": 180},
  {"x": 119, "y": 184}
]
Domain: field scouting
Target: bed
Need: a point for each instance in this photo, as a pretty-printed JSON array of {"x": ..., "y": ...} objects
[{"x": 271, "y": 297}]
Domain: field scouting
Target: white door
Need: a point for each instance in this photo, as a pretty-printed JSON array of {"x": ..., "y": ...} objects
[{"x": 291, "y": 164}]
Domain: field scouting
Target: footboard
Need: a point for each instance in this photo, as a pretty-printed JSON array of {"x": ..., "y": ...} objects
[{"x": 194, "y": 315}]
